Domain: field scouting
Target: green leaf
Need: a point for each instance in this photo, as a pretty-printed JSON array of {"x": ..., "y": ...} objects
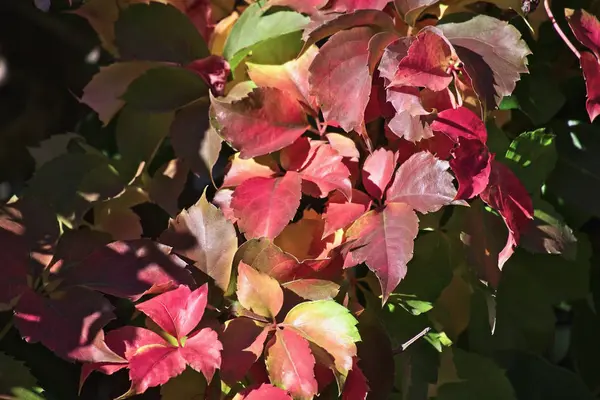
[
  {"x": 328, "y": 325},
  {"x": 158, "y": 32},
  {"x": 165, "y": 89},
  {"x": 536, "y": 96},
  {"x": 190, "y": 385},
  {"x": 15, "y": 378},
  {"x": 256, "y": 26},
  {"x": 278, "y": 50},
  {"x": 532, "y": 156},
  {"x": 139, "y": 135},
  {"x": 480, "y": 378}
]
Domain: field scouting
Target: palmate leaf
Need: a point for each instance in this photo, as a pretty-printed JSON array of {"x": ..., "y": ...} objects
[
  {"x": 291, "y": 364},
  {"x": 203, "y": 234},
  {"x": 265, "y": 121},
  {"x": 328, "y": 325}
]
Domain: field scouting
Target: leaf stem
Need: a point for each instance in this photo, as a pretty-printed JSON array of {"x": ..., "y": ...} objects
[{"x": 559, "y": 30}]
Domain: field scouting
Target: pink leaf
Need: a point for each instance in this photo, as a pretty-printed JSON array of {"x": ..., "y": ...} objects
[
  {"x": 222, "y": 200},
  {"x": 377, "y": 171},
  {"x": 586, "y": 29},
  {"x": 385, "y": 241},
  {"x": 297, "y": 155},
  {"x": 264, "y": 206},
  {"x": 324, "y": 171},
  {"x": 429, "y": 62},
  {"x": 423, "y": 182},
  {"x": 472, "y": 164},
  {"x": 342, "y": 66},
  {"x": 240, "y": 169},
  {"x": 591, "y": 73},
  {"x": 345, "y": 146},
  {"x": 258, "y": 292},
  {"x": 356, "y": 386},
  {"x": 177, "y": 311},
  {"x": 407, "y": 121},
  {"x": 69, "y": 325},
  {"x": 264, "y": 392},
  {"x": 392, "y": 55},
  {"x": 155, "y": 365},
  {"x": 243, "y": 341},
  {"x": 129, "y": 269},
  {"x": 264, "y": 121},
  {"x": 291, "y": 364},
  {"x": 202, "y": 352},
  {"x": 507, "y": 195},
  {"x": 460, "y": 122},
  {"x": 341, "y": 212}
]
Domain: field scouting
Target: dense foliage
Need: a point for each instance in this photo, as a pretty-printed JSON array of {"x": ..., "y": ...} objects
[{"x": 298, "y": 199}]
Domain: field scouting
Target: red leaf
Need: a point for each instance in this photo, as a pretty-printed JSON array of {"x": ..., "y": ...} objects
[
  {"x": 243, "y": 341},
  {"x": 324, "y": 171},
  {"x": 342, "y": 65},
  {"x": 340, "y": 212},
  {"x": 423, "y": 182},
  {"x": 385, "y": 241},
  {"x": 202, "y": 352},
  {"x": 472, "y": 164},
  {"x": 129, "y": 269},
  {"x": 353, "y": 5},
  {"x": 591, "y": 73},
  {"x": 178, "y": 311},
  {"x": 295, "y": 156},
  {"x": 264, "y": 206},
  {"x": 507, "y": 195},
  {"x": 214, "y": 70},
  {"x": 258, "y": 292},
  {"x": 15, "y": 258},
  {"x": 392, "y": 55},
  {"x": 155, "y": 365},
  {"x": 377, "y": 171},
  {"x": 291, "y": 77},
  {"x": 356, "y": 387},
  {"x": 429, "y": 62},
  {"x": 291, "y": 364},
  {"x": 460, "y": 122},
  {"x": 586, "y": 29},
  {"x": 203, "y": 234},
  {"x": 263, "y": 392},
  {"x": 407, "y": 121},
  {"x": 70, "y": 325},
  {"x": 264, "y": 121},
  {"x": 439, "y": 101}
]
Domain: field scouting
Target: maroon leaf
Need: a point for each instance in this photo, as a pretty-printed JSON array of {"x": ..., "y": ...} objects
[
  {"x": 264, "y": 206},
  {"x": 591, "y": 73},
  {"x": 507, "y": 195},
  {"x": 129, "y": 269},
  {"x": 264, "y": 392},
  {"x": 586, "y": 29},
  {"x": 323, "y": 171},
  {"x": 423, "y": 182},
  {"x": 500, "y": 46},
  {"x": 203, "y": 234},
  {"x": 385, "y": 241},
  {"x": 471, "y": 164},
  {"x": 258, "y": 292},
  {"x": 341, "y": 212},
  {"x": 377, "y": 171},
  {"x": 407, "y": 121},
  {"x": 14, "y": 268},
  {"x": 356, "y": 387},
  {"x": 178, "y": 311},
  {"x": 70, "y": 324},
  {"x": 243, "y": 342},
  {"x": 342, "y": 66},
  {"x": 353, "y": 5},
  {"x": 291, "y": 364},
  {"x": 264, "y": 121},
  {"x": 429, "y": 62},
  {"x": 214, "y": 70}
]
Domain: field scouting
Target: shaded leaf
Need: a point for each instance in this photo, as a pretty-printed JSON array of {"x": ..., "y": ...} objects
[
  {"x": 15, "y": 377},
  {"x": 203, "y": 234},
  {"x": 548, "y": 233},
  {"x": 189, "y": 385},
  {"x": 291, "y": 364},
  {"x": 243, "y": 342},
  {"x": 167, "y": 184},
  {"x": 14, "y": 268},
  {"x": 396, "y": 227},
  {"x": 264, "y": 206},
  {"x": 586, "y": 28},
  {"x": 263, "y": 392},
  {"x": 265, "y": 121},
  {"x": 411, "y": 9},
  {"x": 356, "y": 386}
]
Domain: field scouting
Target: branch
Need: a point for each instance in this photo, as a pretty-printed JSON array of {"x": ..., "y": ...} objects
[
  {"x": 559, "y": 30},
  {"x": 405, "y": 346}
]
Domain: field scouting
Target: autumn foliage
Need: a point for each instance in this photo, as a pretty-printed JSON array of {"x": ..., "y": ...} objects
[{"x": 361, "y": 223}]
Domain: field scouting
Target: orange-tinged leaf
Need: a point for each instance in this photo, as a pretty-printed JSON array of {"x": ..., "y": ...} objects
[
  {"x": 167, "y": 184},
  {"x": 385, "y": 241},
  {"x": 121, "y": 223},
  {"x": 423, "y": 182},
  {"x": 343, "y": 145},
  {"x": 291, "y": 364},
  {"x": 323, "y": 172},
  {"x": 221, "y": 32},
  {"x": 240, "y": 169},
  {"x": 264, "y": 206},
  {"x": 313, "y": 289},
  {"x": 341, "y": 212},
  {"x": 291, "y": 77},
  {"x": 328, "y": 325},
  {"x": 258, "y": 292},
  {"x": 266, "y": 120},
  {"x": 203, "y": 234}
]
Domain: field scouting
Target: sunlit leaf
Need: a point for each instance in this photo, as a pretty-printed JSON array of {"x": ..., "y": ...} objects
[{"x": 258, "y": 292}]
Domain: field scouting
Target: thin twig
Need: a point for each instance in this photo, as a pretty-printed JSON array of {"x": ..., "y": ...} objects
[
  {"x": 405, "y": 346},
  {"x": 559, "y": 30}
]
